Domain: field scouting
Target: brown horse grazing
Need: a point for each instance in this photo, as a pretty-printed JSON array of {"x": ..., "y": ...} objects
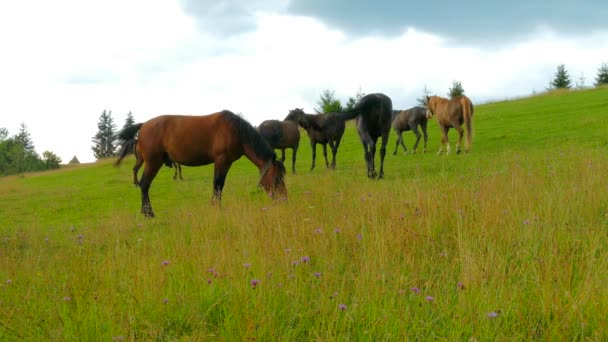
[
  {"x": 410, "y": 119},
  {"x": 282, "y": 135},
  {"x": 322, "y": 129},
  {"x": 451, "y": 114},
  {"x": 220, "y": 138},
  {"x": 139, "y": 161}
]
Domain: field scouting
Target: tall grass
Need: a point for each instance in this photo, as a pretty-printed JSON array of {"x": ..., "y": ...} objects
[{"x": 508, "y": 242}]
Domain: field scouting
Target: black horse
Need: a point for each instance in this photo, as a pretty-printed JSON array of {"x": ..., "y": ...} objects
[
  {"x": 410, "y": 119},
  {"x": 321, "y": 129},
  {"x": 374, "y": 114},
  {"x": 282, "y": 135}
]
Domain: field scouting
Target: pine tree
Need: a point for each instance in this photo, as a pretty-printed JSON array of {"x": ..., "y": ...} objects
[
  {"x": 105, "y": 137},
  {"x": 456, "y": 90},
  {"x": 562, "y": 79},
  {"x": 24, "y": 138},
  {"x": 74, "y": 161},
  {"x": 129, "y": 121},
  {"x": 328, "y": 103},
  {"x": 602, "y": 75}
]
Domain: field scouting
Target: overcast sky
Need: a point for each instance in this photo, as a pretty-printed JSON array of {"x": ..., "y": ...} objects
[{"x": 63, "y": 62}]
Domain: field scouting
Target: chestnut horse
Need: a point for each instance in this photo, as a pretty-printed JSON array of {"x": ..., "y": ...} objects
[
  {"x": 322, "y": 129},
  {"x": 405, "y": 120},
  {"x": 220, "y": 138},
  {"x": 451, "y": 114},
  {"x": 282, "y": 135},
  {"x": 139, "y": 161}
]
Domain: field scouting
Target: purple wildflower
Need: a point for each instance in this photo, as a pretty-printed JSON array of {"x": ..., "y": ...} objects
[
  {"x": 305, "y": 259},
  {"x": 430, "y": 298},
  {"x": 460, "y": 285},
  {"x": 9, "y": 281},
  {"x": 67, "y": 299},
  {"x": 342, "y": 307},
  {"x": 246, "y": 265},
  {"x": 287, "y": 250},
  {"x": 492, "y": 314},
  {"x": 165, "y": 262},
  {"x": 415, "y": 289},
  {"x": 255, "y": 282},
  {"x": 209, "y": 281},
  {"x": 359, "y": 236},
  {"x": 319, "y": 231},
  {"x": 318, "y": 274},
  {"x": 337, "y": 230},
  {"x": 165, "y": 300}
]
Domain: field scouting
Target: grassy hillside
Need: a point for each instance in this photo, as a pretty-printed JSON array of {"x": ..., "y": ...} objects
[{"x": 509, "y": 241}]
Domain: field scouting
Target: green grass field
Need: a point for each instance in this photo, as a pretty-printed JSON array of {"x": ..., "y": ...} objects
[{"x": 509, "y": 242}]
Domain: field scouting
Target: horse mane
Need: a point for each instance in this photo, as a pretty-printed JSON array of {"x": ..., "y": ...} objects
[{"x": 249, "y": 135}]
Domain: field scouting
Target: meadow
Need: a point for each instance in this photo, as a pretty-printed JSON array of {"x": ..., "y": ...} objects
[{"x": 508, "y": 242}]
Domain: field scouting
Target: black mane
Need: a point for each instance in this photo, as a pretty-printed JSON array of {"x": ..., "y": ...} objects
[{"x": 250, "y": 136}]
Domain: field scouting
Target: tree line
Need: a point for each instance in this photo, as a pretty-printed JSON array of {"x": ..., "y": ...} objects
[{"x": 18, "y": 155}]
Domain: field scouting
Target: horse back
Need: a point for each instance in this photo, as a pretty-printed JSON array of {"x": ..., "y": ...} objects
[{"x": 187, "y": 140}]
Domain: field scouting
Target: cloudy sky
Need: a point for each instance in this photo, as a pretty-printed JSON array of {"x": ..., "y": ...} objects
[{"x": 64, "y": 61}]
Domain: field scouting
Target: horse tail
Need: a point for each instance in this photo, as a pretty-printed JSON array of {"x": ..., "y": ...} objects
[
  {"x": 345, "y": 116},
  {"x": 128, "y": 140},
  {"x": 467, "y": 108}
]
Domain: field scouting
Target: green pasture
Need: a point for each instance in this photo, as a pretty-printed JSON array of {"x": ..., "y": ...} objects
[{"x": 508, "y": 242}]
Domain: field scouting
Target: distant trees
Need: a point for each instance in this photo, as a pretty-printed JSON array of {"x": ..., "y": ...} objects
[
  {"x": 104, "y": 140},
  {"x": 456, "y": 89},
  {"x": 18, "y": 155},
  {"x": 602, "y": 75},
  {"x": 562, "y": 79}
]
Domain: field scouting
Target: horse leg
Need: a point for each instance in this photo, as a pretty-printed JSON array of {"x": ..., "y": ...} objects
[
  {"x": 460, "y": 135},
  {"x": 313, "y": 146},
  {"x": 282, "y": 155},
  {"x": 175, "y": 173},
  {"x": 399, "y": 142},
  {"x": 293, "y": 159},
  {"x": 383, "y": 154},
  {"x": 220, "y": 170},
  {"x": 179, "y": 167},
  {"x": 418, "y": 136},
  {"x": 325, "y": 155},
  {"x": 138, "y": 163},
  {"x": 150, "y": 171},
  {"x": 335, "y": 153},
  {"x": 426, "y": 136},
  {"x": 444, "y": 139}
]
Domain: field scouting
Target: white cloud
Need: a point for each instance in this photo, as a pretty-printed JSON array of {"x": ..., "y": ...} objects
[{"x": 67, "y": 61}]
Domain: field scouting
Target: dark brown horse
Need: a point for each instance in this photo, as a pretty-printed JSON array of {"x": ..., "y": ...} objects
[
  {"x": 219, "y": 138},
  {"x": 410, "y": 119},
  {"x": 374, "y": 114},
  {"x": 282, "y": 135},
  {"x": 321, "y": 129},
  {"x": 452, "y": 114}
]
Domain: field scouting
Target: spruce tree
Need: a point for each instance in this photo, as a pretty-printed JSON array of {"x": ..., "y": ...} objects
[
  {"x": 602, "y": 75},
  {"x": 456, "y": 90},
  {"x": 328, "y": 103},
  {"x": 104, "y": 140},
  {"x": 129, "y": 121},
  {"x": 562, "y": 79}
]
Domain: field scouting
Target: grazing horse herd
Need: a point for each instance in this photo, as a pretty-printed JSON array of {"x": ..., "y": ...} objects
[{"x": 222, "y": 138}]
